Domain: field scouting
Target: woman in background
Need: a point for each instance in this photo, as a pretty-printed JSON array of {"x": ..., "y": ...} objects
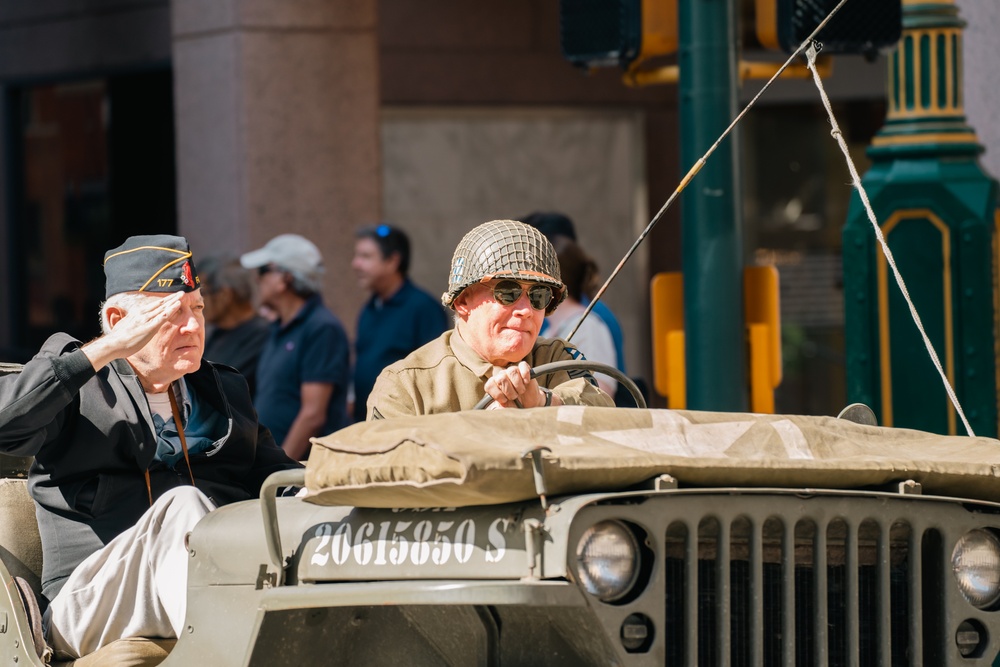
[{"x": 593, "y": 338}]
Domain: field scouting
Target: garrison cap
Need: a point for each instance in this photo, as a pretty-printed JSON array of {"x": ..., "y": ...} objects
[{"x": 153, "y": 263}]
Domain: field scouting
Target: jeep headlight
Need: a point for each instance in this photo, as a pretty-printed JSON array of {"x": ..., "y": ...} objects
[
  {"x": 976, "y": 563},
  {"x": 607, "y": 560}
]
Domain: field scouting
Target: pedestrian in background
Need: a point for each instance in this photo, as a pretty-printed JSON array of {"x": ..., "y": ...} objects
[
  {"x": 304, "y": 368},
  {"x": 398, "y": 318},
  {"x": 236, "y": 331},
  {"x": 593, "y": 338},
  {"x": 553, "y": 225},
  {"x": 558, "y": 225}
]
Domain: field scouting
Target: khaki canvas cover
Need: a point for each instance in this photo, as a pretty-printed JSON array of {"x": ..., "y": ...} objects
[{"x": 475, "y": 458}]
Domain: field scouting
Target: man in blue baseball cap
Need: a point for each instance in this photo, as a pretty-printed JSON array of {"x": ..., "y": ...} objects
[{"x": 134, "y": 439}]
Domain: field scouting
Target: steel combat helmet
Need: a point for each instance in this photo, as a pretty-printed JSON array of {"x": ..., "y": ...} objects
[{"x": 504, "y": 249}]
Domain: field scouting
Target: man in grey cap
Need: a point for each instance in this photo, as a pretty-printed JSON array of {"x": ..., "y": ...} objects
[
  {"x": 134, "y": 439},
  {"x": 304, "y": 368},
  {"x": 504, "y": 279}
]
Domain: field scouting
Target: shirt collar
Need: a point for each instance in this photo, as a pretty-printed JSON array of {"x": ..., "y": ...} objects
[
  {"x": 394, "y": 298},
  {"x": 310, "y": 305},
  {"x": 469, "y": 357}
]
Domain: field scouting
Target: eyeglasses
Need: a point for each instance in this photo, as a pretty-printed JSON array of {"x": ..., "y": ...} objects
[
  {"x": 266, "y": 269},
  {"x": 507, "y": 292}
]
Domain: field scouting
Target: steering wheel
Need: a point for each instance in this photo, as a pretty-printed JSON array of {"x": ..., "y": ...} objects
[{"x": 578, "y": 364}]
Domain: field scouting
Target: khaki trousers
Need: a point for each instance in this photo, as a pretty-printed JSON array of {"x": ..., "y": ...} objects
[{"x": 136, "y": 586}]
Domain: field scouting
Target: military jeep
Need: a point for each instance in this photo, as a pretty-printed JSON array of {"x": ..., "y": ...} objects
[{"x": 594, "y": 536}]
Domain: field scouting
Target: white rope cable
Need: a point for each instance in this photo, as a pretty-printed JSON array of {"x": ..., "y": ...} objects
[{"x": 811, "y": 54}]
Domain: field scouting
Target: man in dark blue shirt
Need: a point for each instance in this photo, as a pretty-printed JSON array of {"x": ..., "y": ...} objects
[
  {"x": 398, "y": 318},
  {"x": 304, "y": 368}
]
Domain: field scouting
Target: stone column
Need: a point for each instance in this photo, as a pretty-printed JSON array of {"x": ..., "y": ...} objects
[{"x": 277, "y": 112}]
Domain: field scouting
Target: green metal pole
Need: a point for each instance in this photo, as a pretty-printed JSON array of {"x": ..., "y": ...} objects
[{"x": 711, "y": 219}]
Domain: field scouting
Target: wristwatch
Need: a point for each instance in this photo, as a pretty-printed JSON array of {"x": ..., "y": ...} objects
[{"x": 548, "y": 396}]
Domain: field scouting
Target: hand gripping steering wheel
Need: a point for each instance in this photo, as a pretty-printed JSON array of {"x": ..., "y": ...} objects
[{"x": 578, "y": 364}]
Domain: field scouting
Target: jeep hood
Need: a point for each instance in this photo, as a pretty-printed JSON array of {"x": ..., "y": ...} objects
[{"x": 477, "y": 458}]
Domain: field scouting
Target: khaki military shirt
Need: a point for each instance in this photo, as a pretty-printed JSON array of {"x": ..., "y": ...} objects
[{"x": 446, "y": 375}]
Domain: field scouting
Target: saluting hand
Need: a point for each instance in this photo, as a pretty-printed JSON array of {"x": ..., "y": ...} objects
[{"x": 130, "y": 331}]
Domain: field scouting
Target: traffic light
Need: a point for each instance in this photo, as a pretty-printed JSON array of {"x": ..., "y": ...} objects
[
  {"x": 608, "y": 33},
  {"x": 624, "y": 33},
  {"x": 861, "y": 26},
  {"x": 596, "y": 33}
]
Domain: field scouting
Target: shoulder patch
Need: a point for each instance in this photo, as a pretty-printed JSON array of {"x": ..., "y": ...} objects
[{"x": 574, "y": 374}]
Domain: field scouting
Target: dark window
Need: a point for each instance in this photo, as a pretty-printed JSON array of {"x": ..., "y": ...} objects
[
  {"x": 797, "y": 189},
  {"x": 92, "y": 163}
]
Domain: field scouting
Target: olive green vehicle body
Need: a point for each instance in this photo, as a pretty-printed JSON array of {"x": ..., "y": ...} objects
[{"x": 497, "y": 585}]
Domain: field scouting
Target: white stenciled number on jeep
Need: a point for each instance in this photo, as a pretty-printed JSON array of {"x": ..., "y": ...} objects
[{"x": 396, "y": 542}]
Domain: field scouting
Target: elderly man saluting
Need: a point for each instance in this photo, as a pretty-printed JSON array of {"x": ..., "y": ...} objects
[
  {"x": 504, "y": 279},
  {"x": 135, "y": 439}
]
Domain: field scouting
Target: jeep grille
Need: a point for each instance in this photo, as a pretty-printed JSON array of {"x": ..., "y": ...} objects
[
  {"x": 832, "y": 578},
  {"x": 823, "y": 584}
]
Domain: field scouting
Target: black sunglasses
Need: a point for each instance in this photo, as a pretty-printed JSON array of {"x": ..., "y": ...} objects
[
  {"x": 266, "y": 269},
  {"x": 507, "y": 292}
]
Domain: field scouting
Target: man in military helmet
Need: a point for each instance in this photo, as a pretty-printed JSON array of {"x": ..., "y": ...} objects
[
  {"x": 504, "y": 279},
  {"x": 135, "y": 438}
]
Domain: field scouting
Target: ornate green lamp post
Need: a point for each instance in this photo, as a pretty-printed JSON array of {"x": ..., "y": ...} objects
[{"x": 938, "y": 212}]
